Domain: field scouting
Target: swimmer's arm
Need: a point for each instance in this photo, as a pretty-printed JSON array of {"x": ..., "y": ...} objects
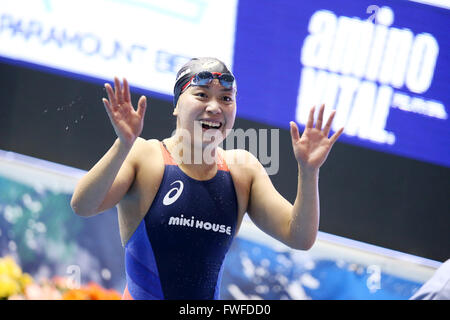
[
  {"x": 109, "y": 180},
  {"x": 106, "y": 183},
  {"x": 304, "y": 220},
  {"x": 294, "y": 225}
]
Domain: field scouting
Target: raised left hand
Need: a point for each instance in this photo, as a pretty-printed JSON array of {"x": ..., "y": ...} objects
[{"x": 312, "y": 148}]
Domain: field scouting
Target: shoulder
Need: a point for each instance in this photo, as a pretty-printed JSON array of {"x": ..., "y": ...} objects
[
  {"x": 146, "y": 151},
  {"x": 142, "y": 146},
  {"x": 149, "y": 167},
  {"x": 242, "y": 163},
  {"x": 241, "y": 158}
]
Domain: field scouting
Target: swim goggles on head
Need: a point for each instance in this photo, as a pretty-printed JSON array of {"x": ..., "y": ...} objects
[{"x": 205, "y": 77}]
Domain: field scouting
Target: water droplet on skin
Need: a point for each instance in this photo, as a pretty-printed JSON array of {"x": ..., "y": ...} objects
[{"x": 67, "y": 128}]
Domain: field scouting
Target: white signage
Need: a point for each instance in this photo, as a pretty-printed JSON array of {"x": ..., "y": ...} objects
[
  {"x": 144, "y": 40},
  {"x": 357, "y": 67}
]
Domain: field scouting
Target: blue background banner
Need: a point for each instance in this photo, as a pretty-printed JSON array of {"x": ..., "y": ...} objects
[{"x": 386, "y": 77}]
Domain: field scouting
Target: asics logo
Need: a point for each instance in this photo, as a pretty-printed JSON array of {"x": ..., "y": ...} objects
[{"x": 170, "y": 196}]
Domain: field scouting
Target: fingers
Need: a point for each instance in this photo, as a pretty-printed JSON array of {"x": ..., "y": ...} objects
[
  {"x": 294, "y": 131},
  {"x": 111, "y": 95},
  {"x": 108, "y": 108},
  {"x": 118, "y": 91},
  {"x": 320, "y": 117},
  {"x": 119, "y": 94},
  {"x": 126, "y": 91},
  {"x": 336, "y": 135},
  {"x": 309, "y": 124},
  {"x": 142, "y": 106},
  {"x": 326, "y": 129},
  {"x": 106, "y": 104}
]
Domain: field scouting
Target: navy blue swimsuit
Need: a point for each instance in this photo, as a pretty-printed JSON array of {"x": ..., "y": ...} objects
[{"x": 178, "y": 249}]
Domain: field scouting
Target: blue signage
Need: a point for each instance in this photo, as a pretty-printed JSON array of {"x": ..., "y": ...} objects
[{"x": 382, "y": 65}]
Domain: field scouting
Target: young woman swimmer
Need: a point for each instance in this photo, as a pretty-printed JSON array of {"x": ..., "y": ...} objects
[{"x": 178, "y": 213}]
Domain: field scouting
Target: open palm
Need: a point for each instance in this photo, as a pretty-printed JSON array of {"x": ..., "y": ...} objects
[
  {"x": 127, "y": 122},
  {"x": 312, "y": 148}
]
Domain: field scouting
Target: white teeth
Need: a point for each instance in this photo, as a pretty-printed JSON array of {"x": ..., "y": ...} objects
[{"x": 211, "y": 124}]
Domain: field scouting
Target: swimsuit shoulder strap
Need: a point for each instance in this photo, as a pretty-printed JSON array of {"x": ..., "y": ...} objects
[{"x": 168, "y": 160}]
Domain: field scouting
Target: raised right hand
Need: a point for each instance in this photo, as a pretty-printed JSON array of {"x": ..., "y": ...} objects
[{"x": 127, "y": 122}]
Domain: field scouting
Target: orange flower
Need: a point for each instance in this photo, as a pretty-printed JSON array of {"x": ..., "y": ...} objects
[
  {"x": 75, "y": 294},
  {"x": 92, "y": 291}
]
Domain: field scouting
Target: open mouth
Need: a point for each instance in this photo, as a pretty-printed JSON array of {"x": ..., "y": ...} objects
[{"x": 210, "y": 124}]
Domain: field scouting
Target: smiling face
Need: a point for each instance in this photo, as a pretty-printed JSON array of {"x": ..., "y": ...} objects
[{"x": 206, "y": 111}]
